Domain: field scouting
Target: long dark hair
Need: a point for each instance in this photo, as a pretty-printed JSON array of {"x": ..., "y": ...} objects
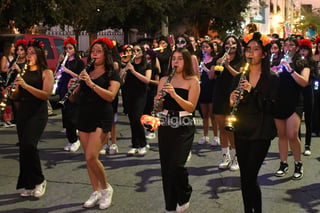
[
  {"x": 108, "y": 63},
  {"x": 187, "y": 68},
  {"x": 38, "y": 48},
  {"x": 238, "y": 52}
]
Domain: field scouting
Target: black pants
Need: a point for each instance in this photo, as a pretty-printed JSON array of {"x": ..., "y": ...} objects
[
  {"x": 308, "y": 112},
  {"x": 29, "y": 133},
  {"x": 251, "y": 155},
  {"x": 135, "y": 106},
  {"x": 68, "y": 122},
  {"x": 174, "y": 147}
]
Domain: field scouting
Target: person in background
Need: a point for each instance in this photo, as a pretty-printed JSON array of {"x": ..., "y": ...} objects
[
  {"x": 205, "y": 99},
  {"x": 175, "y": 141},
  {"x": 137, "y": 78},
  {"x": 316, "y": 112},
  {"x": 255, "y": 127},
  {"x": 305, "y": 46},
  {"x": 276, "y": 54},
  {"x": 294, "y": 74},
  {"x": 221, "y": 94},
  {"x": 72, "y": 68},
  {"x": 34, "y": 87},
  {"x": 7, "y": 60},
  {"x": 164, "y": 55},
  {"x": 98, "y": 87}
]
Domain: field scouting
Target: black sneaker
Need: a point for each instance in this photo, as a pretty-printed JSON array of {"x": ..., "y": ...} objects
[
  {"x": 298, "y": 171},
  {"x": 283, "y": 169}
]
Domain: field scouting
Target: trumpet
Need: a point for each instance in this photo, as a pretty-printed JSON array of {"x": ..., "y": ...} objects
[
  {"x": 151, "y": 122},
  {"x": 126, "y": 69},
  {"x": 11, "y": 89},
  {"x": 58, "y": 73},
  {"x": 76, "y": 83},
  {"x": 232, "y": 119}
]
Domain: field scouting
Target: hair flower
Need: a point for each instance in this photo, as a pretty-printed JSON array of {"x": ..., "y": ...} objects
[
  {"x": 265, "y": 40},
  {"x": 36, "y": 43},
  {"x": 248, "y": 37},
  {"x": 105, "y": 40},
  {"x": 21, "y": 42},
  {"x": 69, "y": 40}
]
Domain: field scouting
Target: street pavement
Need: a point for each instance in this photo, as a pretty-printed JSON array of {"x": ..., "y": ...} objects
[{"x": 137, "y": 180}]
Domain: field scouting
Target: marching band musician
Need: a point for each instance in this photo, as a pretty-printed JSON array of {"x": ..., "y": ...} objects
[
  {"x": 175, "y": 138},
  {"x": 255, "y": 127},
  {"x": 72, "y": 68},
  {"x": 294, "y": 75},
  {"x": 33, "y": 90},
  {"x": 98, "y": 87},
  {"x": 137, "y": 78},
  {"x": 221, "y": 94}
]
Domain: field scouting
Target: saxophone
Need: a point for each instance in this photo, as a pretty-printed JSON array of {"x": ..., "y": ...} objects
[
  {"x": 151, "y": 122},
  {"x": 75, "y": 84},
  {"x": 232, "y": 119},
  {"x": 11, "y": 88}
]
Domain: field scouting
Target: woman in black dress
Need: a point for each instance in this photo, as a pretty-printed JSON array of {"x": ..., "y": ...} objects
[
  {"x": 256, "y": 127},
  {"x": 294, "y": 75},
  {"x": 35, "y": 87},
  {"x": 98, "y": 88},
  {"x": 221, "y": 94},
  {"x": 176, "y": 132},
  {"x": 72, "y": 68}
]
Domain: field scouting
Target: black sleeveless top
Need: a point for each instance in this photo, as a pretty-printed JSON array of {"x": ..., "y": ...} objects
[{"x": 170, "y": 104}]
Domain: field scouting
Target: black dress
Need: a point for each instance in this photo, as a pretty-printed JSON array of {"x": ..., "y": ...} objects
[
  {"x": 32, "y": 117},
  {"x": 175, "y": 140},
  {"x": 222, "y": 89},
  {"x": 93, "y": 111},
  {"x": 207, "y": 85}
]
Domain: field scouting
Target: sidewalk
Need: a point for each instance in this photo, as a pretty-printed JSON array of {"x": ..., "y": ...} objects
[{"x": 137, "y": 180}]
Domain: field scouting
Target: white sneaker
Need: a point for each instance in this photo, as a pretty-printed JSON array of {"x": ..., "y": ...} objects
[
  {"x": 182, "y": 208},
  {"x": 63, "y": 130},
  {"x": 189, "y": 156},
  {"x": 104, "y": 149},
  {"x": 132, "y": 152},
  {"x": 215, "y": 141},
  {"x": 75, "y": 146},
  {"x": 225, "y": 162},
  {"x": 142, "y": 151},
  {"x": 113, "y": 149},
  {"x": 106, "y": 197},
  {"x": 234, "y": 165},
  {"x": 150, "y": 135},
  {"x": 40, "y": 189},
  {"x": 203, "y": 140},
  {"x": 93, "y": 200},
  {"x": 27, "y": 193},
  {"x": 67, "y": 147}
]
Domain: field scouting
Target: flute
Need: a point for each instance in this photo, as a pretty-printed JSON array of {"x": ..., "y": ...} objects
[{"x": 76, "y": 83}]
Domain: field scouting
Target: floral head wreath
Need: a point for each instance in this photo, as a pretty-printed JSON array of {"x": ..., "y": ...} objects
[
  {"x": 69, "y": 40},
  {"x": 317, "y": 40},
  {"x": 265, "y": 40},
  {"x": 21, "y": 42},
  {"x": 127, "y": 46},
  {"x": 36, "y": 43},
  {"x": 305, "y": 42},
  {"x": 105, "y": 40}
]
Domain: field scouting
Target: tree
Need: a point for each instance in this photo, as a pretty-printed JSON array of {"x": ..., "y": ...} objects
[{"x": 24, "y": 14}]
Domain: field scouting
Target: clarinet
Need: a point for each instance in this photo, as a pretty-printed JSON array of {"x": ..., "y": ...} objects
[
  {"x": 11, "y": 89},
  {"x": 231, "y": 119},
  {"x": 75, "y": 84},
  {"x": 58, "y": 73},
  {"x": 125, "y": 70},
  {"x": 152, "y": 122},
  {"x": 11, "y": 72},
  {"x": 285, "y": 58},
  {"x": 162, "y": 92}
]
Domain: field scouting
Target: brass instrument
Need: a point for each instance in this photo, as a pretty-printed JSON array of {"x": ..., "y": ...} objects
[
  {"x": 126, "y": 69},
  {"x": 58, "y": 73},
  {"x": 232, "y": 119},
  {"x": 76, "y": 83},
  {"x": 151, "y": 122},
  {"x": 11, "y": 89}
]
